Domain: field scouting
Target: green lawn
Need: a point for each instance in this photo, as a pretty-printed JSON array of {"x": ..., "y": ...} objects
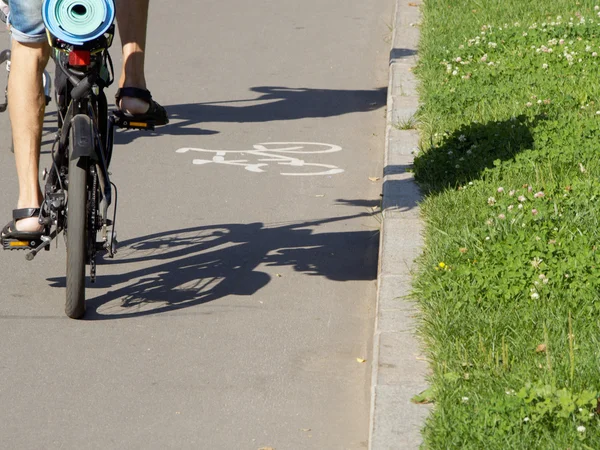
[{"x": 509, "y": 283}]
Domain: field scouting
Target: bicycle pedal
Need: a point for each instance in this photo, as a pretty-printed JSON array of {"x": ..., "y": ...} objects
[
  {"x": 125, "y": 123},
  {"x": 16, "y": 244}
]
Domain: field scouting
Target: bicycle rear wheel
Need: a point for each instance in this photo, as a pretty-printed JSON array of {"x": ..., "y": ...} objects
[{"x": 77, "y": 212}]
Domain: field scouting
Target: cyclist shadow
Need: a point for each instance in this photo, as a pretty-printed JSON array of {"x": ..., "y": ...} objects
[
  {"x": 178, "y": 269},
  {"x": 273, "y": 103}
]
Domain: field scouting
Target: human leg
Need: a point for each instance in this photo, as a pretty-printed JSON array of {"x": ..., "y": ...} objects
[
  {"x": 26, "y": 108},
  {"x": 29, "y": 56},
  {"x": 132, "y": 19}
]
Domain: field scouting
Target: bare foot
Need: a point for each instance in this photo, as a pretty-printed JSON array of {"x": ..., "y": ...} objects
[
  {"x": 132, "y": 105},
  {"x": 29, "y": 224}
]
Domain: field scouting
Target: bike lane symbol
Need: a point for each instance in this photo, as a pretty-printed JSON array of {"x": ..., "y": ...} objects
[{"x": 279, "y": 155}]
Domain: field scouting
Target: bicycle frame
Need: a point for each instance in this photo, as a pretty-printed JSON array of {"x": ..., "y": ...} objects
[{"x": 81, "y": 105}]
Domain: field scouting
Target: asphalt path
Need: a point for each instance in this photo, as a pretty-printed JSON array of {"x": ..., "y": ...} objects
[{"x": 239, "y": 308}]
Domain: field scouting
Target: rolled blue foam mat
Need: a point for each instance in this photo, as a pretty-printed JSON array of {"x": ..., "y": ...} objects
[{"x": 78, "y": 21}]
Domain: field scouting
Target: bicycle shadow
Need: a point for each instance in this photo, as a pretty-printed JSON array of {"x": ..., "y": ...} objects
[
  {"x": 273, "y": 103},
  {"x": 193, "y": 266}
]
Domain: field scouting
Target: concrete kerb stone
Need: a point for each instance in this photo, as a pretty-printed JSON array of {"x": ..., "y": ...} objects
[{"x": 398, "y": 368}]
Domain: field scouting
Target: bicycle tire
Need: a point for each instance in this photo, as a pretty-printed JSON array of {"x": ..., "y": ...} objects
[{"x": 76, "y": 241}]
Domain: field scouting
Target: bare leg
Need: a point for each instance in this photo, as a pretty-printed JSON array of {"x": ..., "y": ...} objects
[
  {"x": 132, "y": 16},
  {"x": 26, "y": 105}
]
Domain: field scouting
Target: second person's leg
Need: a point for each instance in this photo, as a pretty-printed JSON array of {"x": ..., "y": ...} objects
[{"x": 132, "y": 19}]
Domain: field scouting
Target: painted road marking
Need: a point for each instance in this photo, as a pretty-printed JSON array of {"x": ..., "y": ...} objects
[{"x": 276, "y": 152}]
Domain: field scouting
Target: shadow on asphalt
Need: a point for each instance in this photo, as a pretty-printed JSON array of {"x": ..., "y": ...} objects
[
  {"x": 273, "y": 103},
  {"x": 178, "y": 269}
]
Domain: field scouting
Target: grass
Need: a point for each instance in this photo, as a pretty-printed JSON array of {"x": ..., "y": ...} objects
[
  {"x": 409, "y": 123},
  {"x": 509, "y": 282}
]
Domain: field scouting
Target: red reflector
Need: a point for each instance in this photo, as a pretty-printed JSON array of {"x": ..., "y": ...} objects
[{"x": 79, "y": 58}]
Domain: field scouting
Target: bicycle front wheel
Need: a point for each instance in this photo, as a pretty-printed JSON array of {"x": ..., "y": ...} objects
[{"x": 76, "y": 231}]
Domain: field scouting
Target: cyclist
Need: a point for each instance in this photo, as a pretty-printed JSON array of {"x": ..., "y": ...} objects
[{"x": 29, "y": 55}]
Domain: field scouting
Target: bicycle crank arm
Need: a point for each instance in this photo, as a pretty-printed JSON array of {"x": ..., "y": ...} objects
[{"x": 46, "y": 240}]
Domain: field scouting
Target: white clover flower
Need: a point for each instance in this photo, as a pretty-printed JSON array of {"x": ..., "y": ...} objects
[
  {"x": 544, "y": 66},
  {"x": 521, "y": 198},
  {"x": 462, "y": 138},
  {"x": 458, "y": 59},
  {"x": 465, "y": 399},
  {"x": 510, "y": 207},
  {"x": 491, "y": 201},
  {"x": 492, "y": 44},
  {"x": 594, "y": 54},
  {"x": 536, "y": 262},
  {"x": 538, "y": 194},
  {"x": 528, "y": 104},
  {"x": 535, "y": 296},
  {"x": 526, "y": 419},
  {"x": 500, "y": 189},
  {"x": 511, "y": 193},
  {"x": 501, "y": 216},
  {"x": 520, "y": 206},
  {"x": 455, "y": 72},
  {"x": 581, "y": 429}
]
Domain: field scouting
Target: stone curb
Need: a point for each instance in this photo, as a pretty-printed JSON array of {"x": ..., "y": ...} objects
[{"x": 398, "y": 371}]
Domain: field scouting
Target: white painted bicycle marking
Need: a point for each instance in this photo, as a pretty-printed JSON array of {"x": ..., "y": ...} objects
[{"x": 277, "y": 154}]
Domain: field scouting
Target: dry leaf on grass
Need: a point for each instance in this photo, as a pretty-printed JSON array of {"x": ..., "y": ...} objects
[{"x": 540, "y": 348}]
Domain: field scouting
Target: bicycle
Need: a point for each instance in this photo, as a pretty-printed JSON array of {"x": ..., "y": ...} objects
[{"x": 78, "y": 193}]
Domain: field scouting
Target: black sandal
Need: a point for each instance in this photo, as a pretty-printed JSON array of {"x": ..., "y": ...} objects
[
  {"x": 10, "y": 232},
  {"x": 156, "y": 114}
]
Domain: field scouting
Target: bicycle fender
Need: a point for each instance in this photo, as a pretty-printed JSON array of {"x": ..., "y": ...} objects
[{"x": 83, "y": 138}]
